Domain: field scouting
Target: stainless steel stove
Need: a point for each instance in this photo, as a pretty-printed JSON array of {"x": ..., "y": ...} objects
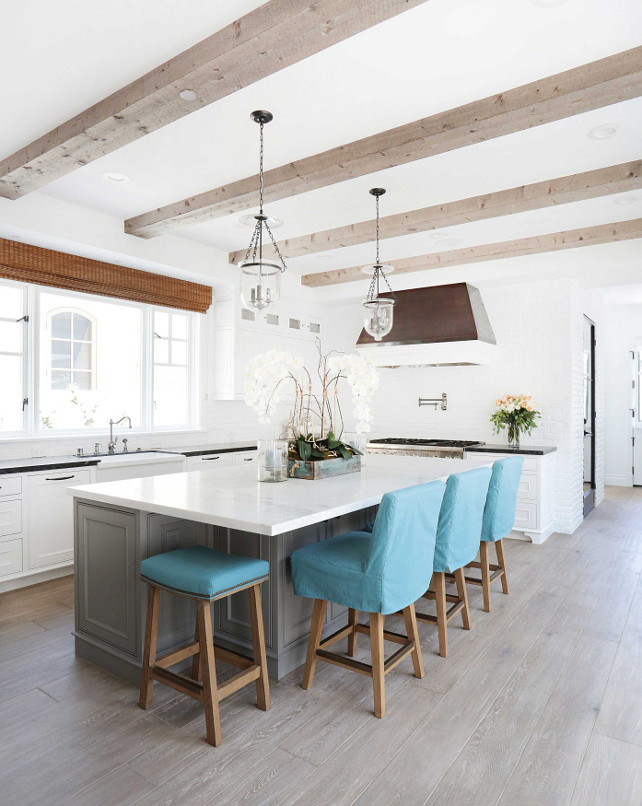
[{"x": 403, "y": 446}]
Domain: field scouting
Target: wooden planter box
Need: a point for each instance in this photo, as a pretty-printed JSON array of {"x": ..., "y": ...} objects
[{"x": 324, "y": 469}]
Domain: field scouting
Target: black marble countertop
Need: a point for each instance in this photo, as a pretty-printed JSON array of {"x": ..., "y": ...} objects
[
  {"x": 220, "y": 447},
  {"x": 45, "y": 463},
  {"x": 526, "y": 450}
]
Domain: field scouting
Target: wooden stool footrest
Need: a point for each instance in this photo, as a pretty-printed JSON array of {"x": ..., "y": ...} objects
[
  {"x": 178, "y": 655},
  {"x": 388, "y": 636},
  {"x": 238, "y": 681},
  {"x": 450, "y": 613},
  {"x": 178, "y": 682},
  {"x": 336, "y": 636},
  {"x": 233, "y": 658},
  {"x": 366, "y": 668}
]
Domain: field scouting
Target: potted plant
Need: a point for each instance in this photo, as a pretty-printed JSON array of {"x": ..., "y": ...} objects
[
  {"x": 516, "y": 413},
  {"x": 315, "y": 424}
]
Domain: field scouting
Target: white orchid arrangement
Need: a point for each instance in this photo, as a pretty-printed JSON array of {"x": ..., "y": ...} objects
[{"x": 316, "y": 413}]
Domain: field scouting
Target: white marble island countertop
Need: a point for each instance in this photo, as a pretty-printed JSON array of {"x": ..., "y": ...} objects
[{"x": 233, "y": 498}]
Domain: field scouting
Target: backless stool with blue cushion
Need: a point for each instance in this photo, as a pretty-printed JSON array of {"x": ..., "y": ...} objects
[
  {"x": 204, "y": 575},
  {"x": 458, "y": 536},
  {"x": 379, "y": 573},
  {"x": 499, "y": 517}
]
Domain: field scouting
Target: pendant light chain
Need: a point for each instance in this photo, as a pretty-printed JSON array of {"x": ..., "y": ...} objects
[
  {"x": 377, "y": 200},
  {"x": 373, "y": 291},
  {"x": 256, "y": 241}
]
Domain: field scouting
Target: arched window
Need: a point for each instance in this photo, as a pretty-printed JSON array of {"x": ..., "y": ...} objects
[{"x": 72, "y": 350}]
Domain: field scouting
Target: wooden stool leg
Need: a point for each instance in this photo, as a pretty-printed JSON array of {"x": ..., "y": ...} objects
[
  {"x": 463, "y": 595},
  {"x": 501, "y": 562},
  {"x": 353, "y": 620},
  {"x": 376, "y": 649},
  {"x": 410, "y": 620},
  {"x": 442, "y": 619},
  {"x": 197, "y": 670},
  {"x": 210, "y": 689},
  {"x": 258, "y": 642},
  {"x": 485, "y": 572},
  {"x": 149, "y": 653},
  {"x": 316, "y": 628}
]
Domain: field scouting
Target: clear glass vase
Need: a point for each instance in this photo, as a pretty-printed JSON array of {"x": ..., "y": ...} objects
[
  {"x": 513, "y": 435},
  {"x": 273, "y": 460}
]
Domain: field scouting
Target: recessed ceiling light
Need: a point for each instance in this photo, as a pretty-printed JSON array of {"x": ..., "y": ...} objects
[
  {"x": 548, "y": 3},
  {"x": 188, "y": 95},
  {"x": 625, "y": 200},
  {"x": 602, "y": 132},
  {"x": 249, "y": 220},
  {"x": 115, "y": 176}
]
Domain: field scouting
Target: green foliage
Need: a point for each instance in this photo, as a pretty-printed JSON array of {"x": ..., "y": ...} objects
[
  {"x": 307, "y": 448},
  {"x": 519, "y": 420}
]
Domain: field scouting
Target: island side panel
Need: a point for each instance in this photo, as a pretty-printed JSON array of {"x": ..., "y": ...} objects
[{"x": 111, "y": 600}]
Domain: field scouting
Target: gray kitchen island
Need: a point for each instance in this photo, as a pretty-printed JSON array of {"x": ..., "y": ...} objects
[{"x": 118, "y": 524}]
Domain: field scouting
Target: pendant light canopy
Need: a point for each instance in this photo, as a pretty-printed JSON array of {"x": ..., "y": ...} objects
[
  {"x": 261, "y": 277},
  {"x": 378, "y": 311}
]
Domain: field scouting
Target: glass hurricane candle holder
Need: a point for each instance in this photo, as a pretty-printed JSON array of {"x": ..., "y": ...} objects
[{"x": 273, "y": 460}]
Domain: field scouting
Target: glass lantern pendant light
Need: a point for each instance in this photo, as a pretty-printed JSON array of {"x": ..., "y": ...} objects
[
  {"x": 377, "y": 310},
  {"x": 261, "y": 277}
]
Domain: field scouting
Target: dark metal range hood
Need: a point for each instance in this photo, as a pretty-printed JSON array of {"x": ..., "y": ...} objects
[{"x": 444, "y": 325}]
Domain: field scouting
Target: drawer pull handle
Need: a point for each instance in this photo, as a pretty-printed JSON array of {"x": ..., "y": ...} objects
[
  {"x": 247, "y": 460},
  {"x": 209, "y": 458},
  {"x": 60, "y": 478}
]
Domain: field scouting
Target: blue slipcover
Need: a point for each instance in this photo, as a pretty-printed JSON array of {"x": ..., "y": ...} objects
[
  {"x": 499, "y": 513},
  {"x": 380, "y": 572},
  {"x": 460, "y": 519},
  {"x": 201, "y": 572}
]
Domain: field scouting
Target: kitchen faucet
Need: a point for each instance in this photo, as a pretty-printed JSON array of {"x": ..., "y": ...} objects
[{"x": 111, "y": 445}]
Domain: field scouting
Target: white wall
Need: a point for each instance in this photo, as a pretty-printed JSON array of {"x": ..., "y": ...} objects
[{"x": 623, "y": 333}]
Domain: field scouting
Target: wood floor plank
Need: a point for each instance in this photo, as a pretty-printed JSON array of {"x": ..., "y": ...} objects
[
  {"x": 611, "y": 774},
  {"x": 122, "y": 787},
  {"x": 549, "y": 765},
  {"x": 349, "y": 770},
  {"x": 479, "y": 773},
  {"x": 441, "y": 736},
  {"x": 621, "y": 711}
]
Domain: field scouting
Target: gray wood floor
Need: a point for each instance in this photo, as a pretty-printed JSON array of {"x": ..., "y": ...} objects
[{"x": 541, "y": 703}]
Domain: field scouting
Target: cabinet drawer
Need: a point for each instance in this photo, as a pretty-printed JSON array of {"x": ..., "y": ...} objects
[
  {"x": 10, "y": 486},
  {"x": 527, "y": 490},
  {"x": 525, "y": 516},
  {"x": 245, "y": 457},
  {"x": 10, "y": 517},
  {"x": 209, "y": 461},
  {"x": 10, "y": 557},
  {"x": 529, "y": 466}
]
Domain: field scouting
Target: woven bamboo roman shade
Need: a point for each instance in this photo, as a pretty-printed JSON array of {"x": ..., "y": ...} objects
[{"x": 32, "y": 264}]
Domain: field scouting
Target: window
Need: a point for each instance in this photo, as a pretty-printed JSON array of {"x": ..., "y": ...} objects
[
  {"x": 72, "y": 360},
  {"x": 13, "y": 324},
  {"x": 93, "y": 359}
]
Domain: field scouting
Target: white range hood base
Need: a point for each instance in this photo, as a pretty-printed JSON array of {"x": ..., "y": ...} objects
[{"x": 442, "y": 354}]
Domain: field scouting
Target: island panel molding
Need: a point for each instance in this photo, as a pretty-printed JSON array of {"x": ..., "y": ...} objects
[
  {"x": 273, "y": 36},
  {"x": 581, "y": 89},
  {"x": 536, "y": 244},
  {"x": 563, "y": 190},
  {"x": 33, "y": 264}
]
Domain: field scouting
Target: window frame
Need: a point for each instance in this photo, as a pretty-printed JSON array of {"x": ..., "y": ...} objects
[
  {"x": 33, "y": 355},
  {"x": 92, "y": 342}
]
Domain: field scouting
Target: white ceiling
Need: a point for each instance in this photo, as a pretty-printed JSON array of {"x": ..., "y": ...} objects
[{"x": 434, "y": 57}]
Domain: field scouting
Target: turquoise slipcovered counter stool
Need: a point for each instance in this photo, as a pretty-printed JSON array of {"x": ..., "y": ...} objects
[
  {"x": 458, "y": 537},
  {"x": 379, "y": 573},
  {"x": 204, "y": 575},
  {"x": 499, "y": 517}
]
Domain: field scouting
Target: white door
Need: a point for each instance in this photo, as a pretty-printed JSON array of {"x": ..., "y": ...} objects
[
  {"x": 635, "y": 412},
  {"x": 51, "y": 516}
]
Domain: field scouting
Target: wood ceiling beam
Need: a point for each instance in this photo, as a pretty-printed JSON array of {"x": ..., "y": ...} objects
[
  {"x": 550, "y": 242},
  {"x": 273, "y": 36},
  {"x": 591, "y": 86},
  {"x": 564, "y": 190}
]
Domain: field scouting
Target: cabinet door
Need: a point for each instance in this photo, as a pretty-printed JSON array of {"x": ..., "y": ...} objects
[
  {"x": 51, "y": 520},
  {"x": 106, "y": 575}
]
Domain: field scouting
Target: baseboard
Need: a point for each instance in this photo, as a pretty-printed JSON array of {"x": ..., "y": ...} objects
[
  {"x": 36, "y": 577},
  {"x": 617, "y": 481}
]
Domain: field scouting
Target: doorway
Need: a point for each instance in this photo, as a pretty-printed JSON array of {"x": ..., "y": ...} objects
[{"x": 589, "y": 415}]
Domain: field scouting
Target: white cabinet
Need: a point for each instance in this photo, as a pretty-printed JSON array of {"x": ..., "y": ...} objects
[
  {"x": 10, "y": 557},
  {"x": 10, "y": 517},
  {"x": 51, "y": 528},
  {"x": 133, "y": 469},
  {"x": 534, "y": 510}
]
